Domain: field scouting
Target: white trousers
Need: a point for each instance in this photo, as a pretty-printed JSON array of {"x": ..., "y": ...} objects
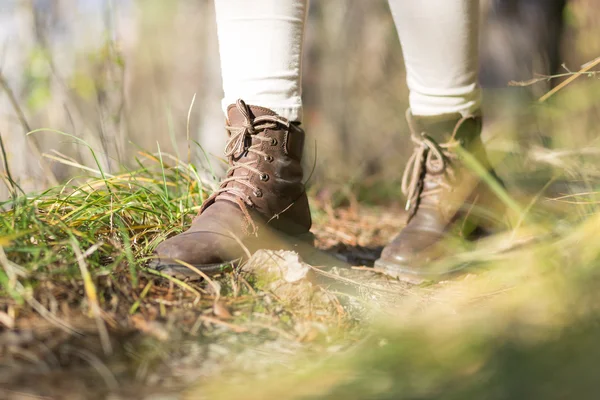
[{"x": 260, "y": 44}]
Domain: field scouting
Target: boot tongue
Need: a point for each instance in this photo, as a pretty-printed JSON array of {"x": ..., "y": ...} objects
[{"x": 236, "y": 118}]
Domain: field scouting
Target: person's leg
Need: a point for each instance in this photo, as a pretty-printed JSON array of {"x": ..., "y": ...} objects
[
  {"x": 260, "y": 43},
  {"x": 440, "y": 46},
  {"x": 439, "y": 42},
  {"x": 262, "y": 199}
]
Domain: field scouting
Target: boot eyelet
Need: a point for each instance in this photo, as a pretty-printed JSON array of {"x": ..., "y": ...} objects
[
  {"x": 269, "y": 159},
  {"x": 273, "y": 142},
  {"x": 264, "y": 177},
  {"x": 257, "y": 193}
]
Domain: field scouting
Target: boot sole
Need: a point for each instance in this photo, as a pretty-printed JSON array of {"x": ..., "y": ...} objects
[{"x": 299, "y": 243}]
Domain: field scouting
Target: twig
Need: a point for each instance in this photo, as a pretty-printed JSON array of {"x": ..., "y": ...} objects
[
  {"x": 544, "y": 78},
  {"x": 558, "y": 87}
]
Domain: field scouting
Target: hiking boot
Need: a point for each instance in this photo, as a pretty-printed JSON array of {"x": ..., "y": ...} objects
[
  {"x": 448, "y": 204},
  {"x": 260, "y": 204}
]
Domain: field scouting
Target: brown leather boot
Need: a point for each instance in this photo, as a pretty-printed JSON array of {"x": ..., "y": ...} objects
[
  {"x": 261, "y": 200},
  {"x": 447, "y": 202}
]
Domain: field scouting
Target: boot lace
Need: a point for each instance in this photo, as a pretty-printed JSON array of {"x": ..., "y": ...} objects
[
  {"x": 239, "y": 144},
  {"x": 429, "y": 161}
]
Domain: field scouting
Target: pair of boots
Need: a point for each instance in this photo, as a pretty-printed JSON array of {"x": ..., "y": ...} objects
[{"x": 263, "y": 199}]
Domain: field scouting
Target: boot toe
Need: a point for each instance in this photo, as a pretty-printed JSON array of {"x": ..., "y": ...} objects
[
  {"x": 410, "y": 255},
  {"x": 208, "y": 252}
]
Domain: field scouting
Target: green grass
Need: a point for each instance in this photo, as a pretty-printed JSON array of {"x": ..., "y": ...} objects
[{"x": 124, "y": 216}]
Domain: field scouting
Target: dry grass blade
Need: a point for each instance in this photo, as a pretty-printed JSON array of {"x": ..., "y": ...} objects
[
  {"x": 137, "y": 303},
  {"x": 176, "y": 281},
  {"x": 18, "y": 288},
  {"x": 216, "y": 287},
  {"x": 92, "y": 295},
  {"x": 241, "y": 244},
  {"x": 26, "y": 127},
  {"x": 77, "y": 165},
  {"x": 354, "y": 282},
  {"x": 187, "y": 130}
]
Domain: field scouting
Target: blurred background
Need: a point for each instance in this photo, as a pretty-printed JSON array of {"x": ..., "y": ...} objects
[{"x": 122, "y": 75}]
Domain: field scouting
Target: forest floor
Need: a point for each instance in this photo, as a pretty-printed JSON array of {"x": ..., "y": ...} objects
[{"x": 161, "y": 335}]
